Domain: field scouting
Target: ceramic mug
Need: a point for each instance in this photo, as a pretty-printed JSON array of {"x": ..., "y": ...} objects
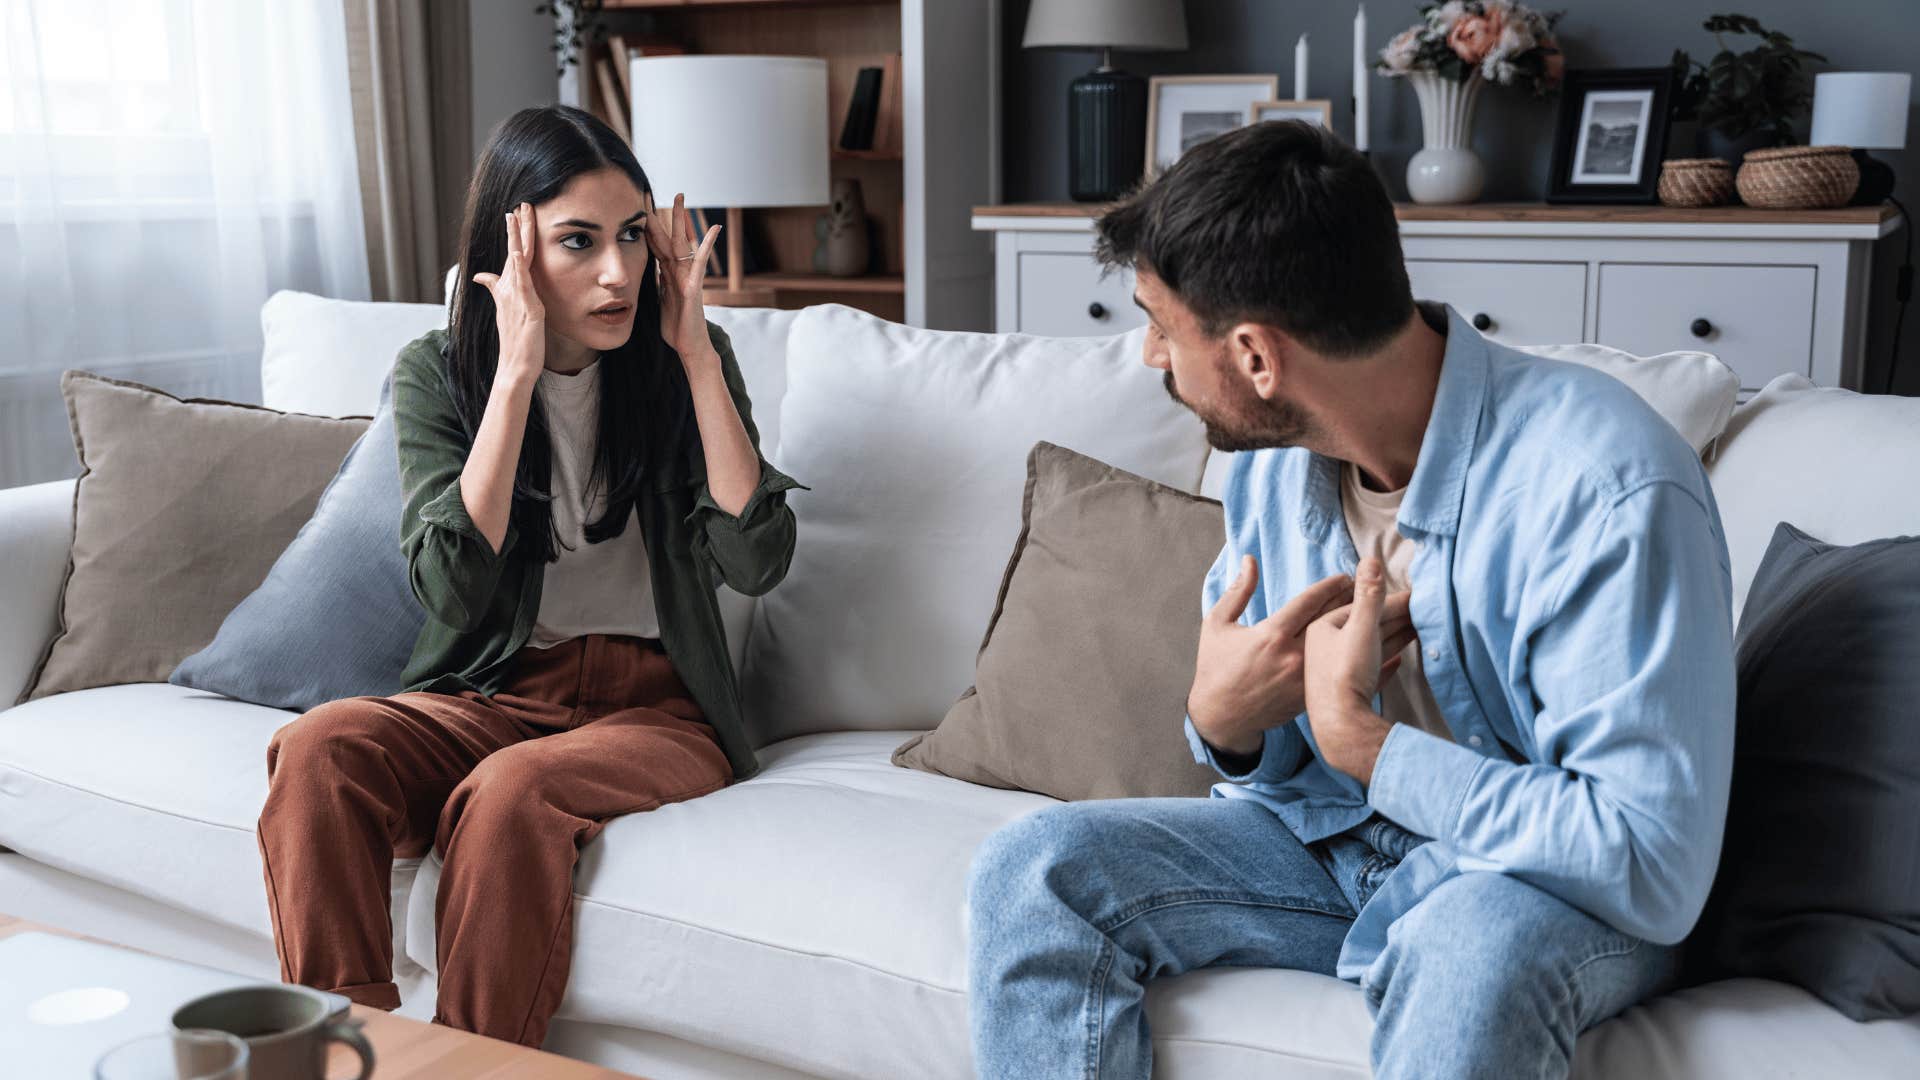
[{"x": 286, "y": 1029}]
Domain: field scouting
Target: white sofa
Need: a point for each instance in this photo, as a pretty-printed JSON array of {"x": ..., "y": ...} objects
[{"x": 830, "y": 938}]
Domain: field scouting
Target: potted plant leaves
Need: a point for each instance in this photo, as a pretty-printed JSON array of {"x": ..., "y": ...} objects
[{"x": 1743, "y": 100}]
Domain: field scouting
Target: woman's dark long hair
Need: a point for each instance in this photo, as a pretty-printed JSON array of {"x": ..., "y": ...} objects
[{"x": 646, "y": 409}]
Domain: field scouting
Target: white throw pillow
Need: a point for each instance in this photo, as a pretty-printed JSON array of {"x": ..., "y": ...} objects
[
  {"x": 1839, "y": 465},
  {"x": 329, "y": 357},
  {"x": 1694, "y": 391},
  {"x": 914, "y": 443}
]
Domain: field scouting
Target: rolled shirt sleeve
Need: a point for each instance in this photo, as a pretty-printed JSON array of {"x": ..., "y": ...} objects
[{"x": 751, "y": 551}]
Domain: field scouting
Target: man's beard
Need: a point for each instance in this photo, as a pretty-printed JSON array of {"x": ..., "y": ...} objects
[{"x": 1261, "y": 426}]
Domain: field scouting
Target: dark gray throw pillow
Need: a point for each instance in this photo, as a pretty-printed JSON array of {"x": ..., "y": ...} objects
[
  {"x": 335, "y": 616},
  {"x": 1819, "y": 879}
]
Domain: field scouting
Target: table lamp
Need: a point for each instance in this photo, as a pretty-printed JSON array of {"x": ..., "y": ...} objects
[
  {"x": 1865, "y": 110},
  {"x": 732, "y": 131},
  {"x": 1107, "y": 107}
]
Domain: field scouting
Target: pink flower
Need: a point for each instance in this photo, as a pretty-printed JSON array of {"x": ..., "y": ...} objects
[
  {"x": 1398, "y": 56},
  {"x": 1474, "y": 36}
]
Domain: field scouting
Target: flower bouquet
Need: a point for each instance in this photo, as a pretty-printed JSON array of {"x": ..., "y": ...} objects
[{"x": 1456, "y": 48}]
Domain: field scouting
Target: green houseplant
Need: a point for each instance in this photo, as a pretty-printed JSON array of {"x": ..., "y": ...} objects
[{"x": 1743, "y": 100}]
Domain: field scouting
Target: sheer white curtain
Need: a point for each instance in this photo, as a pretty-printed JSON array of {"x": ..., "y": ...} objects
[{"x": 165, "y": 165}]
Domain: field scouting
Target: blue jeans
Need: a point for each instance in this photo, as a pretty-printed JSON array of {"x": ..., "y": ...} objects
[{"x": 1074, "y": 907}]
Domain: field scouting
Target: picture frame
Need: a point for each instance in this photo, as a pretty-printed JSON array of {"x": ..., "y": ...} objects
[
  {"x": 1185, "y": 110},
  {"x": 1611, "y": 135},
  {"x": 1312, "y": 110}
]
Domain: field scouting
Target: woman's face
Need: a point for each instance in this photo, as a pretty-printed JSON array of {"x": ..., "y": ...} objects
[{"x": 589, "y": 254}]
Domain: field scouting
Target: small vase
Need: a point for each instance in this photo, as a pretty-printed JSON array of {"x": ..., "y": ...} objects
[{"x": 1446, "y": 170}]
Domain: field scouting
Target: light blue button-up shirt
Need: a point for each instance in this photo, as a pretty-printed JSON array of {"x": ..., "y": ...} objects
[{"x": 1573, "y": 600}]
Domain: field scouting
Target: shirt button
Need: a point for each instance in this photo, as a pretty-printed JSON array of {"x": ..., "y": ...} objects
[
  {"x": 1473, "y": 740},
  {"x": 1433, "y": 652}
]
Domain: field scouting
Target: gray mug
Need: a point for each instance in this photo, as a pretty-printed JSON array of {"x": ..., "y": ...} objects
[{"x": 286, "y": 1029}]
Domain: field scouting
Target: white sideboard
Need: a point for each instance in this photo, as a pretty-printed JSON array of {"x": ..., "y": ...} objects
[{"x": 1769, "y": 292}]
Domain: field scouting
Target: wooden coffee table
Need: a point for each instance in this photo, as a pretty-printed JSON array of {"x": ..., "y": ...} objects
[{"x": 407, "y": 1049}]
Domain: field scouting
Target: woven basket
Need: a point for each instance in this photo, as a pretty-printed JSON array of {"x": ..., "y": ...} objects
[
  {"x": 1798, "y": 177},
  {"x": 1696, "y": 182}
]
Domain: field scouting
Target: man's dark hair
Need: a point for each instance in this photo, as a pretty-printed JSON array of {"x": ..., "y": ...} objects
[{"x": 1278, "y": 222}]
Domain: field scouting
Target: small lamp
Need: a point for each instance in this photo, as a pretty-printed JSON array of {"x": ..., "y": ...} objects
[
  {"x": 1107, "y": 107},
  {"x": 732, "y": 131},
  {"x": 1864, "y": 110}
]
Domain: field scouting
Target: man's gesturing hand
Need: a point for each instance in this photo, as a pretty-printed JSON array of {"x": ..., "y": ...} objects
[
  {"x": 1343, "y": 653},
  {"x": 1249, "y": 678}
]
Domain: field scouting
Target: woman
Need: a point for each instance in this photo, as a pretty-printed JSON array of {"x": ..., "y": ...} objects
[{"x": 580, "y": 469}]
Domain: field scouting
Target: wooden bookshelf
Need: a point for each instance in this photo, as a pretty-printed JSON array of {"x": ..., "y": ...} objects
[{"x": 849, "y": 35}]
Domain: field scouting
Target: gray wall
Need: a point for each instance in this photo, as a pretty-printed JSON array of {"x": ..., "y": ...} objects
[
  {"x": 1513, "y": 134},
  {"x": 512, "y": 63}
]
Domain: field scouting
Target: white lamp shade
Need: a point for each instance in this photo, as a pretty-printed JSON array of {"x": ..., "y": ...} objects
[
  {"x": 1138, "y": 25},
  {"x": 1864, "y": 109},
  {"x": 732, "y": 130}
]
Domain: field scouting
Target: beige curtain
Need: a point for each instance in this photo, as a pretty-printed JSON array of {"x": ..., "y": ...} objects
[{"x": 409, "y": 67}]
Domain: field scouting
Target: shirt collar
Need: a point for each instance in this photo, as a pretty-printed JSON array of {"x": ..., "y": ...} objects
[{"x": 1433, "y": 498}]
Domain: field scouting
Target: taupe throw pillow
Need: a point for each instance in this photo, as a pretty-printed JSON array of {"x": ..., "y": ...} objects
[
  {"x": 181, "y": 508},
  {"x": 1080, "y": 686}
]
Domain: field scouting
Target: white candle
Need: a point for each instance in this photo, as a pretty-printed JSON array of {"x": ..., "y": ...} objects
[
  {"x": 1300, "y": 69},
  {"x": 1360, "y": 78}
]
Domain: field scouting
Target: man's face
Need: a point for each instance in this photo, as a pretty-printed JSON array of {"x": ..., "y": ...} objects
[{"x": 1209, "y": 376}]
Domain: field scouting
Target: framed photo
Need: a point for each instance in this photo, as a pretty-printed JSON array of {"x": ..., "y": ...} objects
[
  {"x": 1611, "y": 137},
  {"x": 1184, "y": 111},
  {"x": 1312, "y": 111}
]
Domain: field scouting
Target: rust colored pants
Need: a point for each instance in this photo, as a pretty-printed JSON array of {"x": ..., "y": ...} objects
[{"x": 508, "y": 788}]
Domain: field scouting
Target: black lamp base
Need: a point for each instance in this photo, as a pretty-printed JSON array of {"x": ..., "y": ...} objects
[
  {"x": 1106, "y": 134},
  {"x": 1876, "y": 180}
]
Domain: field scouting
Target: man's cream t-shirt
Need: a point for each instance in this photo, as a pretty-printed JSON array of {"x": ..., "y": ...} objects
[
  {"x": 1405, "y": 698},
  {"x": 604, "y": 588}
]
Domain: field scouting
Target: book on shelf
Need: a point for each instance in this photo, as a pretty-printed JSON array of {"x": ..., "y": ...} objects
[
  {"x": 887, "y": 127},
  {"x": 856, "y": 133},
  {"x": 612, "y": 107}
]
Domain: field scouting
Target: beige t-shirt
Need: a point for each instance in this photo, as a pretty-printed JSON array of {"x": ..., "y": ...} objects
[
  {"x": 1405, "y": 698},
  {"x": 604, "y": 588}
]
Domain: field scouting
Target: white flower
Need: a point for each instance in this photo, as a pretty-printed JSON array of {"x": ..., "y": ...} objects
[
  {"x": 1399, "y": 53},
  {"x": 1441, "y": 20}
]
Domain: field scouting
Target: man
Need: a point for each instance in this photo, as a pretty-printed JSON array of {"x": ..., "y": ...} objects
[{"x": 1504, "y": 850}]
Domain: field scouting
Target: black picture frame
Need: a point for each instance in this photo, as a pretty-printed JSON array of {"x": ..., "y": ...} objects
[{"x": 1655, "y": 87}]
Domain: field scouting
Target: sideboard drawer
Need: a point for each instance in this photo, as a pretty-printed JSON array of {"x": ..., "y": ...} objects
[
  {"x": 1519, "y": 303},
  {"x": 1757, "y": 319},
  {"x": 1063, "y": 295}
]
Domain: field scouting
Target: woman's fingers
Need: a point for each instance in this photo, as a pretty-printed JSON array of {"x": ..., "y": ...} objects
[
  {"x": 513, "y": 237},
  {"x": 529, "y": 233},
  {"x": 680, "y": 226},
  {"x": 486, "y": 280},
  {"x": 706, "y": 248}
]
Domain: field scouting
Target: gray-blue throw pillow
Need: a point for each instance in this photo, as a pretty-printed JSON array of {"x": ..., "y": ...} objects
[
  {"x": 335, "y": 616},
  {"x": 1819, "y": 878}
]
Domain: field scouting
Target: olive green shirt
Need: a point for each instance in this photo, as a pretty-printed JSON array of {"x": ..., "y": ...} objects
[{"x": 481, "y": 604}]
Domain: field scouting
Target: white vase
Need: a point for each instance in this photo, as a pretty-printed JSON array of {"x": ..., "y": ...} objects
[{"x": 1446, "y": 170}]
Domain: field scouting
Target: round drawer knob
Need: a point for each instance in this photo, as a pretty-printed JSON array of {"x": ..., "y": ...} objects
[
  {"x": 1097, "y": 310},
  {"x": 1701, "y": 328},
  {"x": 1482, "y": 322}
]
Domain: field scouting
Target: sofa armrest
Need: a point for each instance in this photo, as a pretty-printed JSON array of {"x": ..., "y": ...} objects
[{"x": 36, "y": 531}]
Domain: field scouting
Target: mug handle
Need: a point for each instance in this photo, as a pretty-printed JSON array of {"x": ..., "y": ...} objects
[{"x": 348, "y": 1032}]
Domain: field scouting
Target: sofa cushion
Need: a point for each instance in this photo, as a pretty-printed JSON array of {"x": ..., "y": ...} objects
[
  {"x": 328, "y": 357},
  {"x": 181, "y": 508},
  {"x": 151, "y": 788},
  {"x": 814, "y": 917},
  {"x": 919, "y": 440},
  {"x": 1837, "y": 464},
  {"x": 335, "y": 617},
  {"x": 1089, "y": 652}
]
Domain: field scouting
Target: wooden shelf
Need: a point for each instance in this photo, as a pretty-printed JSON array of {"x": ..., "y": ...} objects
[
  {"x": 838, "y": 154},
  {"x": 786, "y": 281}
]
